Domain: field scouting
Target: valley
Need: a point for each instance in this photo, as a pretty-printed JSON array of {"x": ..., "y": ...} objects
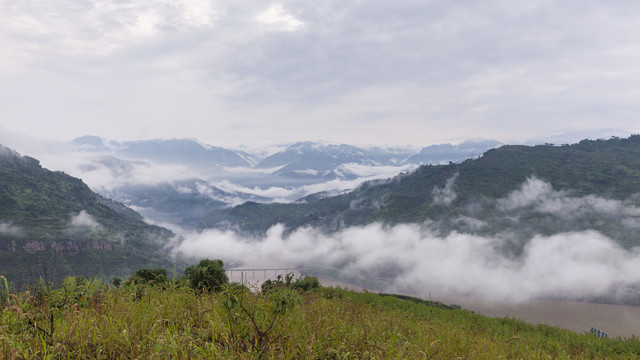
[
  {"x": 495, "y": 233},
  {"x": 445, "y": 179}
]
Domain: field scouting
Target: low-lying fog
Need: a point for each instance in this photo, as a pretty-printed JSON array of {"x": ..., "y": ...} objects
[
  {"x": 412, "y": 259},
  {"x": 580, "y": 263},
  {"x": 463, "y": 269}
]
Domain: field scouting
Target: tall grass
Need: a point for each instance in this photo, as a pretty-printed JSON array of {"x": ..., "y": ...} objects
[
  {"x": 82, "y": 321},
  {"x": 4, "y": 291}
]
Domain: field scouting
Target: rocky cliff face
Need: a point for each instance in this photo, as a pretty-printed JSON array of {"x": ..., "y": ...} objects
[{"x": 64, "y": 247}]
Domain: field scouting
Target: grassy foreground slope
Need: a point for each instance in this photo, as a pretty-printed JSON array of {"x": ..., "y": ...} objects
[{"x": 146, "y": 322}]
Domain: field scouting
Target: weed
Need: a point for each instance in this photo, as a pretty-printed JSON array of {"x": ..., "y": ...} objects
[{"x": 85, "y": 319}]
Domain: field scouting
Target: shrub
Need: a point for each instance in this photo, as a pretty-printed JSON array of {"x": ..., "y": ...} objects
[
  {"x": 279, "y": 282},
  {"x": 256, "y": 321},
  {"x": 208, "y": 275},
  {"x": 149, "y": 276},
  {"x": 306, "y": 283}
]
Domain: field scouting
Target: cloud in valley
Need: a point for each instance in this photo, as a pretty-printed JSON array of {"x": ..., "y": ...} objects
[
  {"x": 84, "y": 220},
  {"x": 291, "y": 193},
  {"x": 574, "y": 262},
  {"x": 537, "y": 195},
  {"x": 8, "y": 228},
  {"x": 446, "y": 195},
  {"x": 105, "y": 173},
  {"x": 369, "y": 171},
  {"x": 413, "y": 259}
]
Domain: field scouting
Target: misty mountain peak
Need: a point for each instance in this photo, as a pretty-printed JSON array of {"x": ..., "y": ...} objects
[{"x": 90, "y": 143}]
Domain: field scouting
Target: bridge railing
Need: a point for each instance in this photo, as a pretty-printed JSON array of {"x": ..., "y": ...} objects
[{"x": 599, "y": 333}]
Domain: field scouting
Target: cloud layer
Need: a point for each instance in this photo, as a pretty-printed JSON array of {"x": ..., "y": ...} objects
[
  {"x": 9, "y": 229},
  {"x": 412, "y": 259},
  {"x": 265, "y": 72},
  {"x": 83, "y": 220},
  {"x": 537, "y": 242}
]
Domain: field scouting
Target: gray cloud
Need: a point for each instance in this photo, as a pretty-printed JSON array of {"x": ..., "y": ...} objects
[
  {"x": 8, "y": 228},
  {"x": 83, "y": 220},
  {"x": 446, "y": 195},
  {"x": 418, "y": 72},
  {"x": 538, "y": 195}
]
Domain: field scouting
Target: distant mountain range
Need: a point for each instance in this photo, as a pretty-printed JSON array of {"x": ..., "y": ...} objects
[
  {"x": 214, "y": 177},
  {"x": 302, "y": 158},
  {"x": 184, "y": 151},
  {"x": 52, "y": 223},
  {"x": 512, "y": 192}
]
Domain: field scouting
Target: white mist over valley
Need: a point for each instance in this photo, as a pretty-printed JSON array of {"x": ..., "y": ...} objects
[
  {"x": 419, "y": 259},
  {"x": 169, "y": 180},
  {"x": 143, "y": 174},
  {"x": 175, "y": 183}
]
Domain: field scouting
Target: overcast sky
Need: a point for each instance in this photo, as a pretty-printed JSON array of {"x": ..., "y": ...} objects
[{"x": 358, "y": 72}]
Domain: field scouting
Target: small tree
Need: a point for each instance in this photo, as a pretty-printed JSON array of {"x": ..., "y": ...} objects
[
  {"x": 257, "y": 320},
  {"x": 208, "y": 275},
  {"x": 278, "y": 283},
  {"x": 306, "y": 283}
]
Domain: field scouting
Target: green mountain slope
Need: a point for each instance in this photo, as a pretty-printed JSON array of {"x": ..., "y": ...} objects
[
  {"x": 54, "y": 222},
  {"x": 480, "y": 195}
]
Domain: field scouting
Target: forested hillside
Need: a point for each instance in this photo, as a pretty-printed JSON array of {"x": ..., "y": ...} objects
[
  {"x": 52, "y": 222},
  {"x": 522, "y": 189}
]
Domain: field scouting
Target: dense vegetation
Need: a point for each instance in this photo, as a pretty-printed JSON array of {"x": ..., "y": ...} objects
[
  {"x": 87, "y": 319},
  {"x": 38, "y": 236},
  {"x": 604, "y": 168}
]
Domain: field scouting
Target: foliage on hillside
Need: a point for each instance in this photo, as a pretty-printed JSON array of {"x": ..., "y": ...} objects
[
  {"x": 445, "y": 193},
  {"x": 85, "y": 319},
  {"x": 37, "y": 212}
]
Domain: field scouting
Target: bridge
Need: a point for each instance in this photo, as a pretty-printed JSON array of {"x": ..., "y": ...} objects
[
  {"x": 258, "y": 275},
  {"x": 263, "y": 273}
]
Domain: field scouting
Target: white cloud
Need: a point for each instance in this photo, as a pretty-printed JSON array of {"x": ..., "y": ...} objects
[
  {"x": 104, "y": 172},
  {"x": 446, "y": 195},
  {"x": 292, "y": 193},
  {"x": 252, "y": 171},
  {"x": 416, "y": 260},
  {"x": 279, "y": 18},
  {"x": 469, "y": 222},
  {"x": 368, "y": 171},
  {"x": 274, "y": 192},
  {"x": 199, "y": 13},
  {"x": 183, "y": 189},
  {"x": 531, "y": 192},
  {"x": 84, "y": 220},
  {"x": 540, "y": 196},
  {"x": 8, "y": 228},
  {"x": 311, "y": 172}
]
